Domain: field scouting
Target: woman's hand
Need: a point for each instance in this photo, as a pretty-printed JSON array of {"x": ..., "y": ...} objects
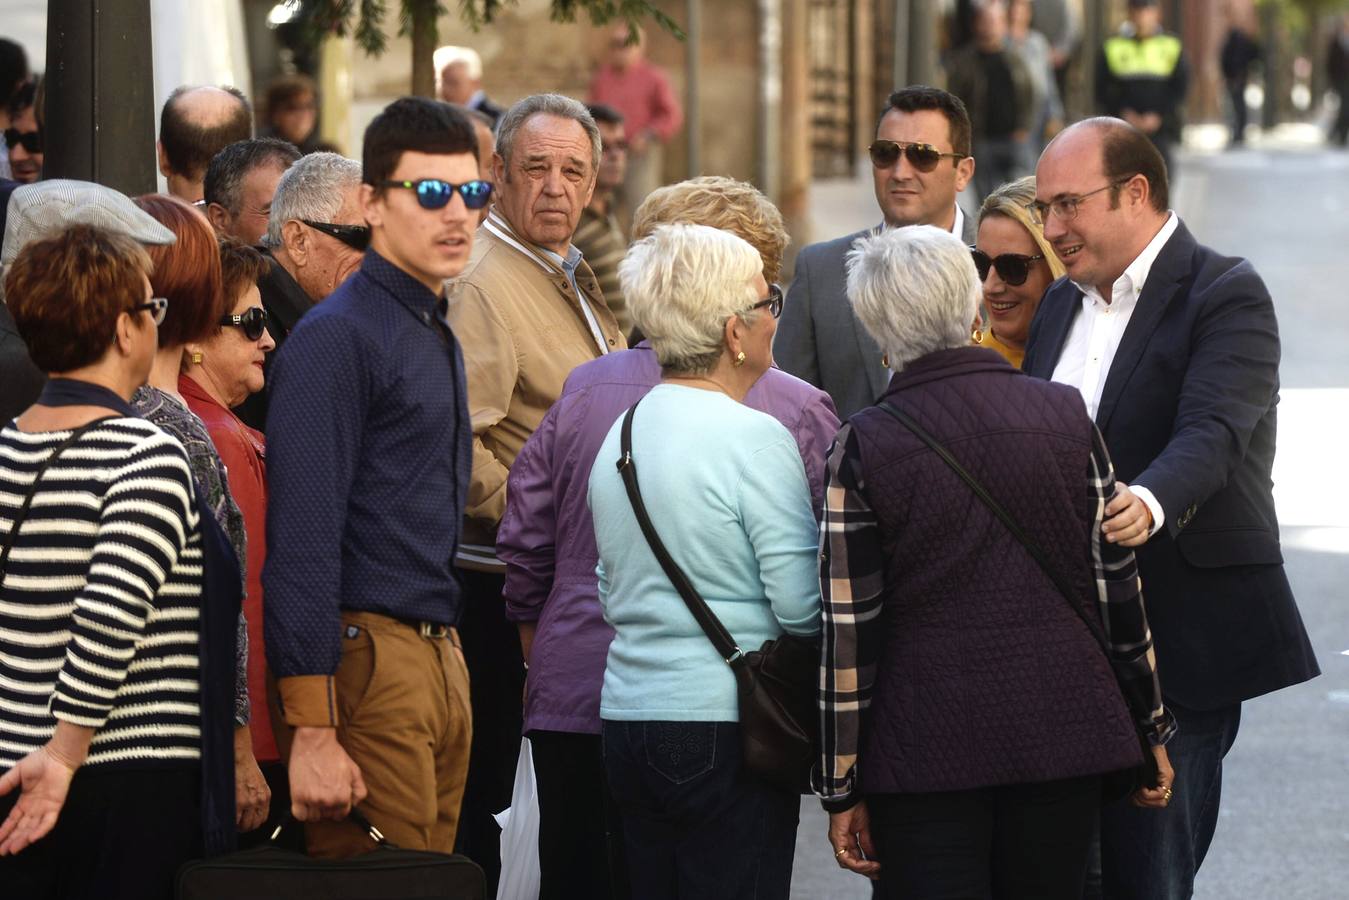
[
  {"x": 1158, "y": 797},
  {"x": 43, "y": 780},
  {"x": 850, "y": 838},
  {"x": 252, "y": 796}
]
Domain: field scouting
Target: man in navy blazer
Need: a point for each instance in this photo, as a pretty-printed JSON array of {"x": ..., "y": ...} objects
[{"x": 1176, "y": 352}]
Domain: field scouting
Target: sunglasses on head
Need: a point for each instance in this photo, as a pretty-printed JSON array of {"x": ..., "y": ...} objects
[
  {"x": 29, "y": 140},
  {"x": 158, "y": 307},
  {"x": 1012, "y": 268},
  {"x": 253, "y": 322},
  {"x": 923, "y": 157},
  {"x": 356, "y": 237},
  {"x": 432, "y": 193}
]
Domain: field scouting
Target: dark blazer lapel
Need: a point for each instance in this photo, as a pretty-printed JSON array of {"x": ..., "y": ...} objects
[
  {"x": 1169, "y": 271},
  {"x": 1059, "y": 307}
]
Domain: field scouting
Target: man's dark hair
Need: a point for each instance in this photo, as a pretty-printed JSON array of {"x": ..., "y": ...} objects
[
  {"x": 919, "y": 96},
  {"x": 601, "y": 112},
  {"x": 416, "y": 124},
  {"x": 1126, "y": 152},
  {"x": 225, "y": 175},
  {"x": 189, "y": 146},
  {"x": 13, "y": 69},
  {"x": 23, "y": 98}
]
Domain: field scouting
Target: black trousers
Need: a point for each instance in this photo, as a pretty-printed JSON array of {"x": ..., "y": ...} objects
[
  {"x": 580, "y": 830},
  {"x": 121, "y": 836},
  {"x": 496, "y": 674},
  {"x": 1014, "y": 842}
]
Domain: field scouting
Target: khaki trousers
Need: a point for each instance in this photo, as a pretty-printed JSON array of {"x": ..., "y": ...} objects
[{"x": 405, "y": 720}]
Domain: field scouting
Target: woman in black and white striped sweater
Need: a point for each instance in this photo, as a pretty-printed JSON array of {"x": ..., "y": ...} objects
[{"x": 100, "y": 602}]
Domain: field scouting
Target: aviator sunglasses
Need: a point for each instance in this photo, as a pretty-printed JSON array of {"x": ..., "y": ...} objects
[
  {"x": 432, "y": 193},
  {"x": 923, "y": 157},
  {"x": 253, "y": 322},
  {"x": 356, "y": 237},
  {"x": 1012, "y": 268}
]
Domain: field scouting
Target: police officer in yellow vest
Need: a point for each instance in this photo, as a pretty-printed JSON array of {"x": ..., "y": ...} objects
[{"x": 1142, "y": 76}]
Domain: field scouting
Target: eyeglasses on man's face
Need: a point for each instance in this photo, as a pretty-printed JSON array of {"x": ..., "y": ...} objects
[
  {"x": 356, "y": 237},
  {"x": 252, "y": 321},
  {"x": 773, "y": 301},
  {"x": 432, "y": 193},
  {"x": 923, "y": 157},
  {"x": 157, "y": 306},
  {"x": 1065, "y": 208}
]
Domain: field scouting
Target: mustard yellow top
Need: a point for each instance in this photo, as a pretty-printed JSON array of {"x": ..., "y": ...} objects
[{"x": 1011, "y": 354}]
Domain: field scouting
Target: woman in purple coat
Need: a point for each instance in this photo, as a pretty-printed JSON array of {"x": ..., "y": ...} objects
[
  {"x": 548, "y": 544},
  {"x": 970, "y": 712}
]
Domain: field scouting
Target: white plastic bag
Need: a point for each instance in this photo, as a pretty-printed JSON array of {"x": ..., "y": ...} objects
[{"x": 519, "y": 824}]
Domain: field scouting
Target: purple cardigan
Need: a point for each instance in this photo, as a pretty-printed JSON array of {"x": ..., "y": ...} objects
[{"x": 547, "y": 540}]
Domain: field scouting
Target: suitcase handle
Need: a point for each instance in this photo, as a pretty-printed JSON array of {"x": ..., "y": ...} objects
[{"x": 354, "y": 816}]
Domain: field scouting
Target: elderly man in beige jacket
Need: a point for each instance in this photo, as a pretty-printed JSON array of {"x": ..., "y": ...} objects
[{"x": 527, "y": 310}]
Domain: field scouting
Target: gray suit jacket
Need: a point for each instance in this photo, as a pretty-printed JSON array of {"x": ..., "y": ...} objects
[{"x": 819, "y": 340}]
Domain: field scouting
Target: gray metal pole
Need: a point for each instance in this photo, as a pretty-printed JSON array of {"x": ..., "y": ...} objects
[
  {"x": 769, "y": 150},
  {"x": 899, "y": 74},
  {"x": 922, "y": 41},
  {"x": 693, "y": 111},
  {"x": 100, "y": 106}
]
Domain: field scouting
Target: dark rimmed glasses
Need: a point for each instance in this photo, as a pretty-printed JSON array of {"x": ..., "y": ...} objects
[
  {"x": 29, "y": 140},
  {"x": 1066, "y": 207},
  {"x": 357, "y": 237},
  {"x": 773, "y": 301},
  {"x": 157, "y": 306},
  {"x": 432, "y": 193},
  {"x": 1012, "y": 268},
  {"x": 252, "y": 321},
  {"x": 923, "y": 157}
]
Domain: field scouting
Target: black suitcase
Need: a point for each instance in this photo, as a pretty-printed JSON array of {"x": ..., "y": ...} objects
[{"x": 388, "y": 872}]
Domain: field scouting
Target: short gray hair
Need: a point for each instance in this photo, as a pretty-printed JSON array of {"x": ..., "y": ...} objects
[
  {"x": 311, "y": 189},
  {"x": 546, "y": 105},
  {"x": 915, "y": 290},
  {"x": 682, "y": 282},
  {"x": 449, "y": 55}
]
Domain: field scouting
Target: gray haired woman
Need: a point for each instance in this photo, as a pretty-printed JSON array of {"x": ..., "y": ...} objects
[
  {"x": 969, "y": 710},
  {"x": 726, "y": 491}
]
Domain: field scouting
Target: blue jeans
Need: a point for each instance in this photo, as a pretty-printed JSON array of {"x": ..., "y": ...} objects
[
  {"x": 694, "y": 824},
  {"x": 1153, "y": 854}
]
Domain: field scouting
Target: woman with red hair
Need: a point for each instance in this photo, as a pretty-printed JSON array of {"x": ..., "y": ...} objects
[{"x": 187, "y": 273}]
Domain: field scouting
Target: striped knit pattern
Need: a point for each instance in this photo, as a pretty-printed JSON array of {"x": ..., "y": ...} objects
[{"x": 100, "y": 598}]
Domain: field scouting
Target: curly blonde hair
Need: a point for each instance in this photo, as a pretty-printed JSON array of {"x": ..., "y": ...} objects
[
  {"x": 1010, "y": 201},
  {"x": 719, "y": 202}
]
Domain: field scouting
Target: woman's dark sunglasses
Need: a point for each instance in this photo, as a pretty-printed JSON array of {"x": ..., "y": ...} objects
[
  {"x": 773, "y": 301},
  {"x": 158, "y": 307},
  {"x": 1012, "y": 268},
  {"x": 253, "y": 322},
  {"x": 923, "y": 157},
  {"x": 356, "y": 237},
  {"x": 29, "y": 140},
  {"x": 432, "y": 193}
]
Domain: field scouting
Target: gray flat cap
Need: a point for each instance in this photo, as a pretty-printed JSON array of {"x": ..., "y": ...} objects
[{"x": 45, "y": 208}]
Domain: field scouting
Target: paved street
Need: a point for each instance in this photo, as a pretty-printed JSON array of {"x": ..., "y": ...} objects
[{"x": 1284, "y": 830}]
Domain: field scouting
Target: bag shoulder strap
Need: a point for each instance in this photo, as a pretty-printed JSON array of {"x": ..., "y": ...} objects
[
  {"x": 32, "y": 489},
  {"x": 716, "y": 632},
  {"x": 1005, "y": 517}
]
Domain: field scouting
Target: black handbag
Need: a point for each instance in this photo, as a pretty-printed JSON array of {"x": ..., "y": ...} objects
[
  {"x": 1114, "y": 785},
  {"x": 776, "y": 684},
  {"x": 271, "y": 872}
]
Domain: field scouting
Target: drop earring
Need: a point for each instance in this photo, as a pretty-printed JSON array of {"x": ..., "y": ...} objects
[
  {"x": 977, "y": 335},
  {"x": 885, "y": 360}
]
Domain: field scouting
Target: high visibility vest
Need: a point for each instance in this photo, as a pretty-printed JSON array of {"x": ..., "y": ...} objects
[{"x": 1150, "y": 57}]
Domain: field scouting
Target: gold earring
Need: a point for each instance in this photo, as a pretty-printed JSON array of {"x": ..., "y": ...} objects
[
  {"x": 739, "y": 359},
  {"x": 977, "y": 335},
  {"x": 885, "y": 360},
  {"x": 196, "y": 357}
]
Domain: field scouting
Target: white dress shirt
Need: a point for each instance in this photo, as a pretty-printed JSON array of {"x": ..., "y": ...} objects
[{"x": 1095, "y": 335}]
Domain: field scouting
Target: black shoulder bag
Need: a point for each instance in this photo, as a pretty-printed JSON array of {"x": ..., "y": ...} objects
[
  {"x": 1114, "y": 785},
  {"x": 779, "y": 718}
]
